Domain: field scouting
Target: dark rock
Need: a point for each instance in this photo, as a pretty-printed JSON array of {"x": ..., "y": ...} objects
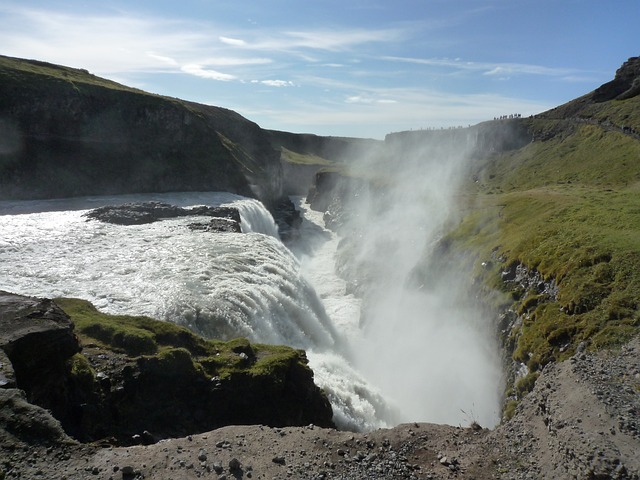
[
  {"x": 287, "y": 217},
  {"x": 217, "y": 225},
  {"x": 7, "y": 375},
  {"x": 234, "y": 465},
  {"x": 167, "y": 393},
  {"x": 626, "y": 83},
  {"x": 37, "y": 337},
  {"x": 21, "y": 421},
  {"x": 148, "y": 212}
]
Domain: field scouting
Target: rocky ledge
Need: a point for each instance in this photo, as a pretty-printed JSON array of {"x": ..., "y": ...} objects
[
  {"x": 138, "y": 380},
  {"x": 224, "y": 219}
]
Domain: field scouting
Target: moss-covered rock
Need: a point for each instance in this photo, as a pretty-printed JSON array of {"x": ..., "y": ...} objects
[
  {"x": 161, "y": 378},
  {"x": 137, "y": 375}
]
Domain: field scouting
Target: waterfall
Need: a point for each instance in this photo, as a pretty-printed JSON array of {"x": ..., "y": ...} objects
[
  {"x": 376, "y": 372},
  {"x": 419, "y": 338},
  {"x": 255, "y": 218}
]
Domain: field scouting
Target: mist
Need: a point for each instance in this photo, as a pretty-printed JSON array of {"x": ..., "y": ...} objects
[{"x": 424, "y": 341}]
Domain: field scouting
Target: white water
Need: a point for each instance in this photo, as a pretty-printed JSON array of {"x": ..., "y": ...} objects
[
  {"x": 227, "y": 285},
  {"x": 221, "y": 285}
]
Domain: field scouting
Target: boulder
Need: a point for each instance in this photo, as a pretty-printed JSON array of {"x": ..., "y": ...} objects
[
  {"x": 149, "y": 212},
  {"x": 37, "y": 339},
  {"x": 22, "y": 422}
]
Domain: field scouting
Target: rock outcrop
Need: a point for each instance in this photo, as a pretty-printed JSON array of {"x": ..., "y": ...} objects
[
  {"x": 580, "y": 421},
  {"x": 37, "y": 338},
  {"x": 138, "y": 380},
  {"x": 626, "y": 83},
  {"x": 224, "y": 218}
]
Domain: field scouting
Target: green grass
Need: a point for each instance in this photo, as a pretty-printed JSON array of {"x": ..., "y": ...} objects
[
  {"x": 568, "y": 207},
  {"x": 31, "y": 72},
  {"x": 302, "y": 158},
  {"x": 175, "y": 348}
]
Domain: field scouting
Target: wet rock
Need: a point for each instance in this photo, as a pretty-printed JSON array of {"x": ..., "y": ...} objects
[
  {"x": 37, "y": 339},
  {"x": 149, "y": 212}
]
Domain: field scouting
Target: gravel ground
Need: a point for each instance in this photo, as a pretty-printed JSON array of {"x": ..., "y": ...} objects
[{"x": 582, "y": 420}]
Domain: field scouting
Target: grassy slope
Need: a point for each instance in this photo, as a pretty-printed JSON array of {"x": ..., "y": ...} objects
[
  {"x": 136, "y": 336},
  {"x": 568, "y": 206},
  {"x": 296, "y": 158},
  {"x": 34, "y": 71}
]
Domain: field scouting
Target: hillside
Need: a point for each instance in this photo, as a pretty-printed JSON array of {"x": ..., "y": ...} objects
[
  {"x": 66, "y": 133},
  {"x": 555, "y": 226}
]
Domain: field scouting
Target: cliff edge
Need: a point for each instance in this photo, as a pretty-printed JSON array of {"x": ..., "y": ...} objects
[{"x": 65, "y": 132}]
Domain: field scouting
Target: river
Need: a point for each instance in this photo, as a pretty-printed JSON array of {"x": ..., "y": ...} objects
[{"x": 226, "y": 285}]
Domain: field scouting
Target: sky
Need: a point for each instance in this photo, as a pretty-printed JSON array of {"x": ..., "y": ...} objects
[{"x": 361, "y": 68}]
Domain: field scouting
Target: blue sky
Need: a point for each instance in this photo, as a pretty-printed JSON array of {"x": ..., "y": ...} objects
[{"x": 346, "y": 68}]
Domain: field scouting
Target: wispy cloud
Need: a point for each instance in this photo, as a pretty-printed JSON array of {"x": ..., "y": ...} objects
[
  {"x": 336, "y": 40},
  {"x": 369, "y": 100},
  {"x": 237, "y": 61},
  {"x": 485, "y": 68},
  {"x": 277, "y": 83},
  {"x": 379, "y": 111},
  {"x": 338, "y": 73},
  {"x": 200, "y": 71},
  {"x": 236, "y": 42}
]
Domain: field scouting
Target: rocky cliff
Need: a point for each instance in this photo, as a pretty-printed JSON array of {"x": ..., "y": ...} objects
[
  {"x": 65, "y": 132},
  {"x": 136, "y": 380}
]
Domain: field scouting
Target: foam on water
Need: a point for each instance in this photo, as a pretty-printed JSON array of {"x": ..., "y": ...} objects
[
  {"x": 218, "y": 284},
  {"x": 221, "y": 285},
  {"x": 378, "y": 369}
]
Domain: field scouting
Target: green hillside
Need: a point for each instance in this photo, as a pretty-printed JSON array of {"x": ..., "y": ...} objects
[{"x": 567, "y": 205}]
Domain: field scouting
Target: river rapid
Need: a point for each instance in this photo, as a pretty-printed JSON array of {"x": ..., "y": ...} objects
[{"x": 226, "y": 285}]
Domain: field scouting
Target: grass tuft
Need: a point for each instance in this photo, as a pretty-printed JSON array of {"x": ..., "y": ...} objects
[{"x": 173, "y": 348}]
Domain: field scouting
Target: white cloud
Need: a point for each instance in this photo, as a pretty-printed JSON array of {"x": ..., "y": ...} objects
[
  {"x": 236, "y": 61},
  {"x": 162, "y": 58},
  {"x": 409, "y": 109},
  {"x": 277, "y": 83},
  {"x": 485, "y": 68},
  {"x": 335, "y": 40},
  {"x": 368, "y": 100},
  {"x": 104, "y": 44},
  {"x": 200, "y": 71},
  {"x": 236, "y": 42}
]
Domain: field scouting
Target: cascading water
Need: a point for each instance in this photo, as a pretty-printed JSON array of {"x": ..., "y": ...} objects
[
  {"x": 221, "y": 285},
  {"x": 225, "y": 285}
]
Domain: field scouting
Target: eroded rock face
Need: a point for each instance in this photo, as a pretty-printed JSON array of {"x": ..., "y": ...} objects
[
  {"x": 37, "y": 338},
  {"x": 167, "y": 395},
  {"x": 64, "y": 132},
  {"x": 23, "y": 422},
  {"x": 626, "y": 83}
]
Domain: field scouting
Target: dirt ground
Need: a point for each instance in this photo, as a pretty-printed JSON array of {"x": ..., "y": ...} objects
[{"x": 582, "y": 420}]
